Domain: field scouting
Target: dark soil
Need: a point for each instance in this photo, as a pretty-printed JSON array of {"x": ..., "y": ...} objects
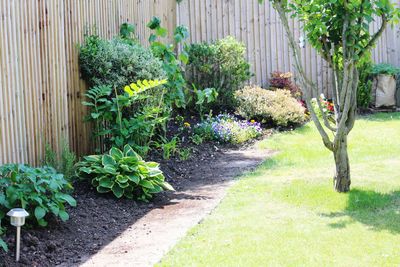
[{"x": 98, "y": 219}]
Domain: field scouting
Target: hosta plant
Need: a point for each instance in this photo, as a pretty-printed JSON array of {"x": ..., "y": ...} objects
[
  {"x": 124, "y": 173},
  {"x": 41, "y": 191}
]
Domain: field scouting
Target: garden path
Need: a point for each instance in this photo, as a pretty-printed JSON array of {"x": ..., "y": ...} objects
[{"x": 145, "y": 242}]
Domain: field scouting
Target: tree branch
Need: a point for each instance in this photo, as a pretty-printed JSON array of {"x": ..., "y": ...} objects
[
  {"x": 375, "y": 36},
  {"x": 305, "y": 82}
]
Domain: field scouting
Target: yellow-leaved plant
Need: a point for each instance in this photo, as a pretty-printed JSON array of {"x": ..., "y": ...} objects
[{"x": 140, "y": 86}]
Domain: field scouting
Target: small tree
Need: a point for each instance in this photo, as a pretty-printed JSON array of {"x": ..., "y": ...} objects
[{"x": 339, "y": 31}]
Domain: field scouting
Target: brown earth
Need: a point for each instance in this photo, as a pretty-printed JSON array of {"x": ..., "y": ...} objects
[{"x": 103, "y": 227}]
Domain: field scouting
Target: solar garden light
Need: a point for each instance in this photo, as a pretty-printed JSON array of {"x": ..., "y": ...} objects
[{"x": 17, "y": 219}]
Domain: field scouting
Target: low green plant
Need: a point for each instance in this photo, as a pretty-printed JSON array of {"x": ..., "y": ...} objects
[
  {"x": 169, "y": 148},
  {"x": 124, "y": 173},
  {"x": 197, "y": 139},
  {"x": 184, "y": 153},
  {"x": 385, "y": 68},
  {"x": 64, "y": 164},
  {"x": 203, "y": 99},
  {"x": 41, "y": 191},
  {"x": 277, "y": 107},
  {"x": 220, "y": 65}
]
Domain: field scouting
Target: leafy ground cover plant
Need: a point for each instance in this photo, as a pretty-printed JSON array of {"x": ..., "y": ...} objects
[
  {"x": 41, "y": 191},
  {"x": 220, "y": 65},
  {"x": 124, "y": 173},
  {"x": 267, "y": 106},
  {"x": 228, "y": 129}
]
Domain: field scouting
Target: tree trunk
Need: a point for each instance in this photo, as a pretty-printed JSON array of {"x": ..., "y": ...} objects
[{"x": 342, "y": 181}]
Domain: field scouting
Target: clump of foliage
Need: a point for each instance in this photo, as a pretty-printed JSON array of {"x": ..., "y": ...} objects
[
  {"x": 203, "y": 99},
  {"x": 3, "y": 245},
  {"x": 220, "y": 65},
  {"x": 385, "y": 68},
  {"x": 283, "y": 80},
  {"x": 171, "y": 62},
  {"x": 365, "y": 84},
  {"x": 64, "y": 164},
  {"x": 115, "y": 124},
  {"x": 41, "y": 191},
  {"x": 116, "y": 62},
  {"x": 127, "y": 33},
  {"x": 277, "y": 107},
  {"x": 228, "y": 129},
  {"x": 124, "y": 173}
]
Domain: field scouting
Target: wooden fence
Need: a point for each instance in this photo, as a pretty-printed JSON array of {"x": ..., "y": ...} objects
[
  {"x": 259, "y": 27},
  {"x": 41, "y": 92}
]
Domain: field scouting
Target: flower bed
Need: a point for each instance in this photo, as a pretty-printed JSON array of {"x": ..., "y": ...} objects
[{"x": 227, "y": 128}]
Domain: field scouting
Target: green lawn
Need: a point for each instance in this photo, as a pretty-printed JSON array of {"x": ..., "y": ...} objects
[{"x": 287, "y": 214}]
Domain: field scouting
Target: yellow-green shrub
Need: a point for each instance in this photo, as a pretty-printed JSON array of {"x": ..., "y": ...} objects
[{"x": 267, "y": 106}]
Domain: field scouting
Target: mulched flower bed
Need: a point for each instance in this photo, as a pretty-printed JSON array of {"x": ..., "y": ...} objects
[{"x": 98, "y": 219}]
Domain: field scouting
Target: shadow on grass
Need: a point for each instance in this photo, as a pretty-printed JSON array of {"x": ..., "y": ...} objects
[{"x": 378, "y": 211}]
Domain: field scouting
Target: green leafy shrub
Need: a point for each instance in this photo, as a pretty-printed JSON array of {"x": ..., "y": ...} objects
[
  {"x": 220, "y": 65},
  {"x": 124, "y": 173},
  {"x": 385, "y": 68},
  {"x": 228, "y": 129},
  {"x": 365, "y": 82},
  {"x": 267, "y": 106},
  {"x": 64, "y": 164},
  {"x": 116, "y": 124},
  {"x": 116, "y": 62},
  {"x": 41, "y": 191}
]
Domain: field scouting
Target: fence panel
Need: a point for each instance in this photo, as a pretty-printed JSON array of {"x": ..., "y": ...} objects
[
  {"x": 259, "y": 28},
  {"x": 41, "y": 91}
]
